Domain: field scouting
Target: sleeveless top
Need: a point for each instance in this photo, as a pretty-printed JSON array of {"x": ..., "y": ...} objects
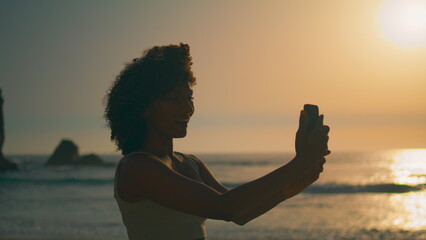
[{"x": 147, "y": 219}]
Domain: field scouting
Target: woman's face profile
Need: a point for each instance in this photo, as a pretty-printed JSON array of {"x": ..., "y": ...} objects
[{"x": 169, "y": 116}]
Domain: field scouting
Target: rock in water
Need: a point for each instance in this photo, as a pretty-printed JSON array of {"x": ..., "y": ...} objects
[
  {"x": 6, "y": 165},
  {"x": 90, "y": 159},
  {"x": 66, "y": 153}
]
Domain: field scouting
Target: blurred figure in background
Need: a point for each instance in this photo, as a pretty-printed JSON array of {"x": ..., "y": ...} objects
[{"x": 4, "y": 163}]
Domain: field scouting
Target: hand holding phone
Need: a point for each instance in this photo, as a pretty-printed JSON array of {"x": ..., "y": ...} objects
[{"x": 313, "y": 114}]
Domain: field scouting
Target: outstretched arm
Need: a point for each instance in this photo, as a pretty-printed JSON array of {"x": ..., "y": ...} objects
[
  {"x": 158, "y": 182},
  {"x": 279, "y": 197},
  {"x": 268, "y": 204},
  {"x": 307, "y": 179}
]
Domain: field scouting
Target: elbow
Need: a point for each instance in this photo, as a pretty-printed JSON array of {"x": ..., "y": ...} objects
[
  {"x": 226, "y": 216},
  {"x": 224, "y": 210},
  {"x": 232, "y": 216},
  {"x": 240, "y": 222},
  {"x": 229, "y": 211},
  {"x": 221, "y": 216}
]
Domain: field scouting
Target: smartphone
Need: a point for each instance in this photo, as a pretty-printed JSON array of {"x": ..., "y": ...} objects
[{"x": 313, "y": 115}]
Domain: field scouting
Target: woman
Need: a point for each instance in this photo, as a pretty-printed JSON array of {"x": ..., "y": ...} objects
[{"x": 163, "y": 194}]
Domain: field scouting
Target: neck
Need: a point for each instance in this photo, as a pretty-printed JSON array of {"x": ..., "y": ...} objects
[{"x": 160, "y": 146}]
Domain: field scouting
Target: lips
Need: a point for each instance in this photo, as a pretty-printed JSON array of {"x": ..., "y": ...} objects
[{"x": 183, "y": 121}]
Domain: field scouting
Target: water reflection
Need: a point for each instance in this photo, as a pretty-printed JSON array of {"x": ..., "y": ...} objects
[
  {"x": 410, "y": 210},
  {"x": 409, "y": 167}
]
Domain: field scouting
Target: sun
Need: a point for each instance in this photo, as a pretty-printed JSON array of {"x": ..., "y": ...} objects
[{"x": 403, "y": 22}]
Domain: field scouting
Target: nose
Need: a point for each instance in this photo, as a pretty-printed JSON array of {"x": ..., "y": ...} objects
[{"x": 189, "y": 107}]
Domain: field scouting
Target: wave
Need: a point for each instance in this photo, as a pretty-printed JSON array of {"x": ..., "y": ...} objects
[
  {"x": 334, "y": 188},
  {"x": 61, "y": 181},
  {"x": 328, "y": 188},
  {"x": 370, "y": 188}
]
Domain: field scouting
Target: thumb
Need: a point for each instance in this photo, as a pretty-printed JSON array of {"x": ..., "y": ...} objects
[{"x": 303, "y": 121}]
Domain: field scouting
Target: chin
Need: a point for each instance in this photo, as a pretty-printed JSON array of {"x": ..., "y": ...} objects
[{"x": 181, "y": 135}]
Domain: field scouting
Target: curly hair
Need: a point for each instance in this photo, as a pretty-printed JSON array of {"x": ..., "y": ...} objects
[{"x": 159, "y": 71}]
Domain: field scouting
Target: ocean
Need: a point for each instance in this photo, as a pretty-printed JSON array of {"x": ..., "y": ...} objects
[{"x": 360, "y": 195}]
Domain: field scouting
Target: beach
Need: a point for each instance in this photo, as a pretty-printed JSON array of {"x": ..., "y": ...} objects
[{"x": 360, "y": 195}]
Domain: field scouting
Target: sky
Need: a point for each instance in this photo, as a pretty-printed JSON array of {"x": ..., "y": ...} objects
[{"x": 256, "y": 63}]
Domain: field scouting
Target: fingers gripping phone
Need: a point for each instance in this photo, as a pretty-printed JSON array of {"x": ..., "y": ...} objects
[{"x": 313, "y": 115}]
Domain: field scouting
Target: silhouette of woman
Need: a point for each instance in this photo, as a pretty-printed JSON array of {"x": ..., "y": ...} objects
[
  {"x": 4, "y": 163},
  {"x": 165, "y": 194}
]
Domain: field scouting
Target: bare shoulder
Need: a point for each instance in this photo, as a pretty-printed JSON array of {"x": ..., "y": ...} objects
[
  {"x": 193, "y": 157},
  {"x": 139, "y": 158},
  {"x": 207, "y": 175},
  {"x": 137, "y": 163},
  {"x": 200, "y": 163},
  {"x": 136, "y": 173}
]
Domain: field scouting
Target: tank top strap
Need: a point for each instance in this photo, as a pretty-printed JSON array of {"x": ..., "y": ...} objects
[
  {"x": 189, "y": 159},
  {"x": 143, "y": 153}
]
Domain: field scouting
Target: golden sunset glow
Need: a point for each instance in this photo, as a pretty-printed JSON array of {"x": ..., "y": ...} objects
[
  {"x": 409, "y": 166},
  {"x": 256, "y": 64},
  {"x": 403, "y": 210},
  {"x": 403, "y": 22},
  {"x": 410, "y": 211},
  {"x": 80, "y": 71}
]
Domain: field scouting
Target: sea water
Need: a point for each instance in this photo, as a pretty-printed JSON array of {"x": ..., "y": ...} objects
[{"x": 360, "y": 195}]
